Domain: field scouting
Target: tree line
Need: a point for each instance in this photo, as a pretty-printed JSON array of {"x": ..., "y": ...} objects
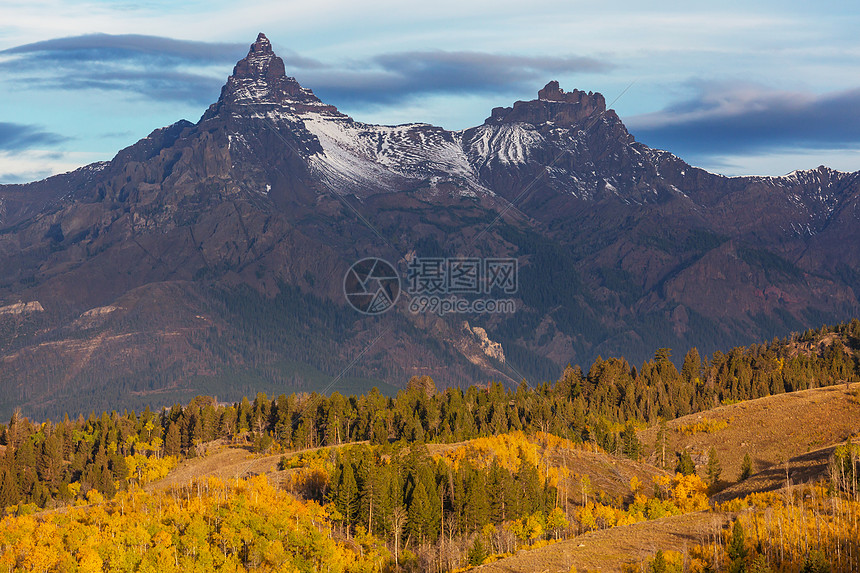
[{"x": 40, "y": 462}]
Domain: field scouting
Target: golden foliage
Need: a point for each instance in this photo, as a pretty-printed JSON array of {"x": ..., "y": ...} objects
[
  {"x": 782, "y": 529},
  {"x": 145, "y": 469},
  {"x": 510, "y": 449},
  {"x": 706, "y": 425},
  {"x": 211, "y": 525}
]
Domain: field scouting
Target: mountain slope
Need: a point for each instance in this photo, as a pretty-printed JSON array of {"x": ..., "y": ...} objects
[
  {"x": 209, "y": 257},
  {"x": 771, "y": 429},
  {"x": 616, "y": 549}
]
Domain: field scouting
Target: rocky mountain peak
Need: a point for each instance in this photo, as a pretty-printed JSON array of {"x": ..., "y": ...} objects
[
  {"x": 592, "y": 101},
  {"x": 553, "y": 105},
  {"x": 261, "y": 63},
  {"x": 259, "y": 80}
]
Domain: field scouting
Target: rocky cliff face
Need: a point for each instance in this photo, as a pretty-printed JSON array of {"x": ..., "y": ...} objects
[
  {"x": 552, "y": 106},
  {"x": 220, "y": 247}
]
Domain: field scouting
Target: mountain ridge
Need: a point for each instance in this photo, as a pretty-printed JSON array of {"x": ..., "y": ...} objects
[{"x": 260, "y": 207}]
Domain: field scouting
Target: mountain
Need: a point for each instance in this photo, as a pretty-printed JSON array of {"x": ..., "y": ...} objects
[{"x": 209, "y": 257}]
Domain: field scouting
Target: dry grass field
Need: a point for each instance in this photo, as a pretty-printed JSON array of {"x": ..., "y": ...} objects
[
  {"x": 610, "y": 549},
  {"x": 772, "y": 429}
]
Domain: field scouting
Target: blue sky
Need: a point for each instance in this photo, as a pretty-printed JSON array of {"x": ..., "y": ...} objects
[{"x": 739, "y": 88}]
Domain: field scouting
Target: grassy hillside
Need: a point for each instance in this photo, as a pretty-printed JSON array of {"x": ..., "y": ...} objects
[
  {"x": 801, "y": 469},
  {"x": 771, "y": 429},
  {"x": 611, "y": 550},
  {"x": 442, "y": 479},
  {"x": 798, "y": 431}
]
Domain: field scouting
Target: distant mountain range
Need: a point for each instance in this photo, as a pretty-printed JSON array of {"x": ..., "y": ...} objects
[{"x": 209, "y": 258}]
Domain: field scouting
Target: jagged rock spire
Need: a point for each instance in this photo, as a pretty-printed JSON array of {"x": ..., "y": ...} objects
[
  {"x": 261, "y": 63},
  {"x": 259, "y": 80}
]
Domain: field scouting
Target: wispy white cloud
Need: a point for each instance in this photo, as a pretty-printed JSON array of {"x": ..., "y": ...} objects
[
  {"x": 391, "y": 77},
  {"x": 778, "y": 162},
  {"x": 22, "y": 166}
]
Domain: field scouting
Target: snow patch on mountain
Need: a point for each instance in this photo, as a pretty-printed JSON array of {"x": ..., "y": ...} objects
[
  {"x": 382, "y": 156},
  {"x": 346, "y": 160},
  {"x": 509, "y": 143}
]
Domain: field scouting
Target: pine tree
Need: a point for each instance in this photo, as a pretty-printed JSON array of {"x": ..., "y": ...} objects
[
  {"x": 737, "y": 544},
  {"x": 685, "y": 464},
  {"x": 759, "y": 565},
  {"x": 692, "y": 366},
  {"x": 579, "y": 418},
  {"x": 227, "y": 422},
  {"x": 366, "y": 479},
  {"x": 346, "y": 499},
  {"x": 172, "y": 440},
  {"x": 284, "y": 421},
  {"x": 243, "y": 415},
  {"x": 630, "y": 443},
  {"x": 119, "y": 467},
  {"x": 260, "y": 413},
  {"x": 40, "y": 494},
  {"x": 419, "y": 514},
  {"x": 746, "y": 468},
  {"x": 25, "y": 461},
  {"x": 499, "y": 486},
  {"x": 815, "y": 562},
  {"x": 209, "y": 420},
  {"x": 379, "y": 432},
  {"x": 714, "y": 468},
  {"x": 9, "y": 492},
  {"x": 477, "y": 553},
  {"x": 17, "y": 429},
  {"x": 332, "y": 426},
  {"x": 528, "y": 484},
  {"x": 476, "y": 509},
  {"x": 389, "y": 502},
  {"x": 659, "y": 563},
  {"x": 50, "y": 461}
]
